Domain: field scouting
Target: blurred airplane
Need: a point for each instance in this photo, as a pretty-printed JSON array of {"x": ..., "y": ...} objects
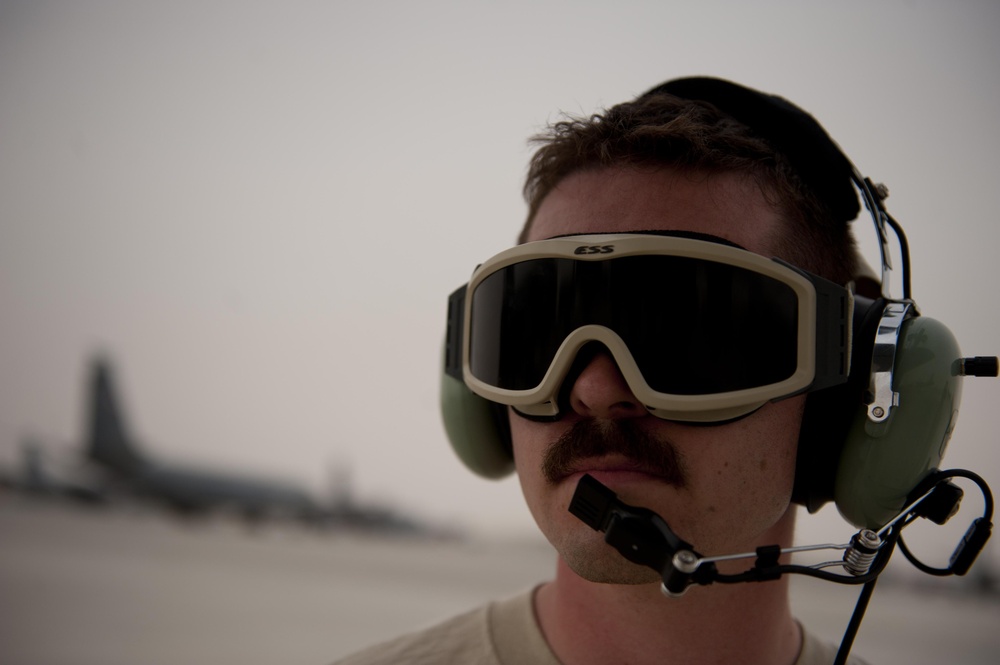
[
  {"x": 186, "y": 490},
  {"x": 114, "y": 466}
]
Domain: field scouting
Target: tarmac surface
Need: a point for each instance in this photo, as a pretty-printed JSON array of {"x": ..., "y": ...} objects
[{"x": 87, "y": 586}]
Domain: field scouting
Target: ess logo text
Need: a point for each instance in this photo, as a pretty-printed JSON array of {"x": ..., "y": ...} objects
[{"x": 594, "y": 249}]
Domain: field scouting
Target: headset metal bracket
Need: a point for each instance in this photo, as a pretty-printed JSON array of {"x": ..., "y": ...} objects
[{"x": 883, "y": 397}]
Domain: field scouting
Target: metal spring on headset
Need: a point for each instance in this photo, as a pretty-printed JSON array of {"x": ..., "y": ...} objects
[{"x": 859, "y": 556}]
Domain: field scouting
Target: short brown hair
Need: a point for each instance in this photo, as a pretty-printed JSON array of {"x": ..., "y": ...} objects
[{"x": 662, "y": 130}]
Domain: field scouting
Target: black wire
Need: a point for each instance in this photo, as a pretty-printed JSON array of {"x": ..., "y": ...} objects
[
  {"x": 876, "y": 208},
  {"x": 904, "y": 251},
  {"x": 983, "y": 487},
  {"x": 855, "y": 623},
  {"x": 932, "y": 481},
  {"x": 892, "y": 537},
  {"x": 938, "y": 477},
  {"x": 879, "y": 563},
  {"x": 755, "y": 575},
  {"x": 920, "y": 565}
]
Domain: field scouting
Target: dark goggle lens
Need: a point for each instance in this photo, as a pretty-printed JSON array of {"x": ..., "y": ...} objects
[{"x": 694, "y": 327}]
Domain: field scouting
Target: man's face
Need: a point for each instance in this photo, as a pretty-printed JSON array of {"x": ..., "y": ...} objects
[{"x": 725, "y": 488}]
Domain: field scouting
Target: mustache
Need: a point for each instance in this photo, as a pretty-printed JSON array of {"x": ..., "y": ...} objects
[{"x": 590, "y": 438}]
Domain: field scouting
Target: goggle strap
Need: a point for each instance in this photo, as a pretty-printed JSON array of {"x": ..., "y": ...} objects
[
  {"x": 834, "y": 327},
  {"x": 453, "y": 337}
]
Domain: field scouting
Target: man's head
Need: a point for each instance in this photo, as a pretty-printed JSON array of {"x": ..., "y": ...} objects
[{"x": 664, "y": 163}]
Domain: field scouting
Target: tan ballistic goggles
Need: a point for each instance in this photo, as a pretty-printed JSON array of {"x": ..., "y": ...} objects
[{"x": 701, "y": 331}]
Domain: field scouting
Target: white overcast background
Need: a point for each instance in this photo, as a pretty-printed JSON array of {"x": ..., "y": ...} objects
[{"x": 258, "y": 209}]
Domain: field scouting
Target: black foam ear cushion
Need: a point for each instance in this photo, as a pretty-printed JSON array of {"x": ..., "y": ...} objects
[{"x": 830, "y": 412}]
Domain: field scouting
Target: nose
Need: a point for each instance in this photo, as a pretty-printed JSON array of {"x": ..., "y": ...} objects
[{"x": 600, "y": 391}]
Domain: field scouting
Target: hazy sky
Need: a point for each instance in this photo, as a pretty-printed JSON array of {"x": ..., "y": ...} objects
[{"x": 258, "y": 209}]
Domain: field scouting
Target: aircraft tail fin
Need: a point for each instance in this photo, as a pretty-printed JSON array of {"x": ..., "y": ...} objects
[{"x": 108, "y": 442}]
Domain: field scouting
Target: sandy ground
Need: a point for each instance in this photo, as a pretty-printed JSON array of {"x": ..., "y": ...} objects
[{"x": 81, "y": 586}]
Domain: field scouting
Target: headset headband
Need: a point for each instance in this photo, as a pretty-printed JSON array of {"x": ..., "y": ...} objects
[{"x": 820, "y": 163}]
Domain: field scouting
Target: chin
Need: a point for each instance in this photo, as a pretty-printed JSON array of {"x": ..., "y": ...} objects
[{"x": 587, "y": 555}]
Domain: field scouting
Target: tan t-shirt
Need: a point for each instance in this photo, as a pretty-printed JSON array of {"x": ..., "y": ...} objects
[{"x": 506, "y": 633}]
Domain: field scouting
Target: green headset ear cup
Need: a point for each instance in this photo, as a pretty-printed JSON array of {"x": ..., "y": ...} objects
[
  {"x": 882, "y": 463},
  {"x": 470, "y": 423}
]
